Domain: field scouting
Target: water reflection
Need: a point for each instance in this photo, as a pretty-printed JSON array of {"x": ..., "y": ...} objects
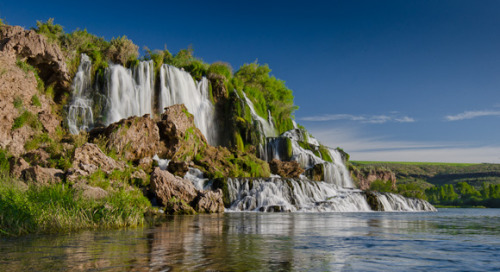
[{"x": 448, "y": 240}]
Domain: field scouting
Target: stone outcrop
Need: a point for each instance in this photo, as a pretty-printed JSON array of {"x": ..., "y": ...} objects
[
  {"x": 177, "y": 130},
  {"x": 88, "y": 159},
  {"x": 17, "y": 166},
  {"x": 288, "y": 169},
  {"x": 90, "y": 192},
  {"x": 37, "y": 51},
  {"x": 365, "y": 177},
  {"x": 17, "y": 90},
  {"x": 209, "y": 202},
  {"x": 178, "y": 168},
  {"x": 133, "y": 138},
  {"x": 42, "y": 176},
  {"x": 37, "y": 157},
  {"x": 166, "y": 186},
  {"x": 179, "y": 196}
]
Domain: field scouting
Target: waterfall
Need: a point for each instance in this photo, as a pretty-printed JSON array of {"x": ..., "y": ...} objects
[
  {"x": 80, "y": 116},
  {"x": 178, "y": 87},
  {"x": 290, "y": 195},
  {"x": 334, "y": 172},
  {"x": 130, "y": 92},
  {"x": 266, "y": 126},
  {"x": 394, "y": 202}
]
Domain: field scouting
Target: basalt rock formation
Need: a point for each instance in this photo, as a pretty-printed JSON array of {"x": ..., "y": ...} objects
[{"x": 36, "y": 50}]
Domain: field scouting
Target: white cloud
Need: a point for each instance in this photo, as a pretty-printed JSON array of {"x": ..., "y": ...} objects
[
  {"x": 361, "y": 147},
  {"x": 369, "y": 119},
  {"x": 471, "y": 114}
]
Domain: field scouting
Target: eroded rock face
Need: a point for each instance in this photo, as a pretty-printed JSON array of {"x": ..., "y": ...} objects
[
  {"x": 133, "y": 138},
  {"x": 17, "y": 166},
  {"x": 166, "y": 186},
  {"x": 178, "y": 168},
  {"x": 177, "y": 130},
  {"x": 17, "y": 90},
  {"x": 42, "y": 176},
  {"x": 88, "y": 159},
  {"x": 37, "y": 51},
  {"x": 288, "y": 169},
  {"x": 366, "y": 177},
  {"x": 209, "y": 202}
]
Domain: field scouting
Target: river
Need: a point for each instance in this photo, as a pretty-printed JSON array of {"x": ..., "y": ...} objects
[{"x": 449, "y": 240}]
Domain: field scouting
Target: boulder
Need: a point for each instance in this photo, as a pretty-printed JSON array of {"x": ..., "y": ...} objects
[
  {"x": 89, "y": 158},
  {"x": 286, "y": 169},
  {"x": 49, "y": 121},
  {"x": 177, "y": 130},
  {"x": 17, "y": 166},
  {"x": 37, "y": 157},
  {"x": 90, "y": 192},
  {"x": 37, "y": 51},
  {"x": 42, "y": 176},
  {"x": 176, "y": 206},
  {"x": 209, "y": 202},
  {"x": 133, "y": 138},
  {"x": 178, "y": 168},
  {"x": 166, "y": 186},
  {"x": 146, "y": 164}
]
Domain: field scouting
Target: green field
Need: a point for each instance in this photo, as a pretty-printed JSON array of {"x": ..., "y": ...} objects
[{"x": 413, "y": 163}]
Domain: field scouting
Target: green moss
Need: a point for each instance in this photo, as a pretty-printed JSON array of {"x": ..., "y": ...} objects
[
  {"x": 36, "y": 101},
  {"x": 4, "y": 163},
  {"x": 239, "y": 142},
  {"x": 289, "y": 148},
  {"x": 221, "y": 183},
  {"x": 325, "y": 153},
  {"x": 27, "y": 118},
  {"x": 18, "y": 102}
]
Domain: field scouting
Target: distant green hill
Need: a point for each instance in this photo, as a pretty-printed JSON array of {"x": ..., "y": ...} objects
[{"x": 458, "y": 184}]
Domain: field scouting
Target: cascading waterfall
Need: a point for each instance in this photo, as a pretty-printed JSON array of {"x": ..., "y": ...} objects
[
  {"x": 80, "y": 116},
  {"x": 129, "y": 92},
  {"x": 334, "y": 172},
  {"x": 290, "y": 195},
  {"x": 266, "y": 126},
  {"x": 178, "y": 87}
]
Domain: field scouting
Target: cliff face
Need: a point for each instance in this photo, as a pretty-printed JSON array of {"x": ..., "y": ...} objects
[
  {"x": 24, "y": 110},
  {"x": 34, "y": 49},
  {"x": 365, "y": 177}
]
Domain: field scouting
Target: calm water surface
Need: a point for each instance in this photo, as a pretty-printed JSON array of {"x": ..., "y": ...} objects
[{"x": 449, "y": 240}]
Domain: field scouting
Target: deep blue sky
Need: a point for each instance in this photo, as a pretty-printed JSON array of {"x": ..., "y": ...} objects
[{"x": 385, "y": 80}]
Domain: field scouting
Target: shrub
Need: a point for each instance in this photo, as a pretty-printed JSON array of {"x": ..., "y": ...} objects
[
  {"x": 50, "y": 30},
  {"x": 122, "y": 50},
  {"x": 4, "y": 163}
]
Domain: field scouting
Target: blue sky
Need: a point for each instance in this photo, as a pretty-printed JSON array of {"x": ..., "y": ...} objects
[{"x": 385, "y": 80}]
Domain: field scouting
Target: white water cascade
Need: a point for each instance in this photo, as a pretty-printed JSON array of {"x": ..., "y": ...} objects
[
  {"x": 266, "y": 126},
  {"x": 290, "y": 195},
  {"x": 130, "y": 92},
  {"x": 178, "y": 87},
  {"x": 80, "y": 116},
  {"x": 334, "y": 172}
]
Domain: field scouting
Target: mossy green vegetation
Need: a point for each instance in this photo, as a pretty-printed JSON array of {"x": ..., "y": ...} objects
[
  {"x": 59, "y": 207},
  {"x": 267, "y": 93}
]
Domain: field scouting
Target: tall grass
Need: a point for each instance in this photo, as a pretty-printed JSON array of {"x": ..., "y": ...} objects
[{"x": 56, "y": 208}]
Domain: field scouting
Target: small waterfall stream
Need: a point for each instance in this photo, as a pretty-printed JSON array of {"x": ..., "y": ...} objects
[{"x": 80, "y": 116}]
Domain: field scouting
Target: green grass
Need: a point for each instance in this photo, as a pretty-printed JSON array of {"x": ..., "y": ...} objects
[
  {"x": 413, "y": 163},
  {"x": 60, "y": 208}
]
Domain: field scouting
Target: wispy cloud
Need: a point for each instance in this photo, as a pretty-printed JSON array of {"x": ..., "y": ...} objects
[
  {"x": 363, "y": 147},
  {"x": 368, "y": 119},
  {"x": 471, "y": 115}
]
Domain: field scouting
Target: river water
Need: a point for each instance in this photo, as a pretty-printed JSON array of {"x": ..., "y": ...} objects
[{"x": 449, "y": 240}]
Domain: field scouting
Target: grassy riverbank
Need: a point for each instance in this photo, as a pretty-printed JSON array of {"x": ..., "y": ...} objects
[{"x": 56, "y": 208}]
